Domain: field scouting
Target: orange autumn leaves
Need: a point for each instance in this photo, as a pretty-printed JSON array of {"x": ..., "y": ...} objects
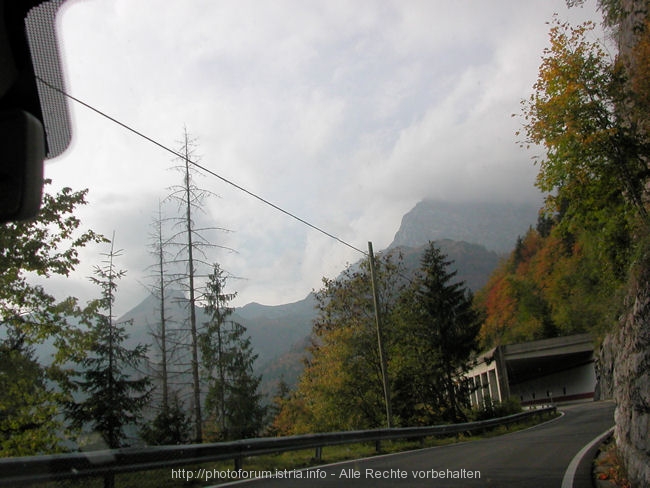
[
  {"x": 549, "y": 286},
  {"x": 566, "y": 276}
]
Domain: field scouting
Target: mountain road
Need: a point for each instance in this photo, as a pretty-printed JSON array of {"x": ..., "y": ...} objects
[{"x": 537, "y": 457}]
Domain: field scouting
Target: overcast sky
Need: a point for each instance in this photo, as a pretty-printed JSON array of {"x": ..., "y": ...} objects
[{"x": 346, "y": 113}]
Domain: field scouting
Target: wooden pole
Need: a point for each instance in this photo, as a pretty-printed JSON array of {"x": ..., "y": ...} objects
[{"x": 382, "y": 356}]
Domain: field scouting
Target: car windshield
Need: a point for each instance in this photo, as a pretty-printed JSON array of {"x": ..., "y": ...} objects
[{"x": 338, "y": 230}]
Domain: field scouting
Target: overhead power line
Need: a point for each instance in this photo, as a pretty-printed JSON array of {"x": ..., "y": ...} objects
[{"x": 201, "y": 167}]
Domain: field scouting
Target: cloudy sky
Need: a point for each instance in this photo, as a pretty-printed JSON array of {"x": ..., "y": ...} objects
[{"x": 346, "y": 113}]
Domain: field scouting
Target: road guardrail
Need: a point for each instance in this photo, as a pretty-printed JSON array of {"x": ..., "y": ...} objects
[{"x": 107, "y": 463}]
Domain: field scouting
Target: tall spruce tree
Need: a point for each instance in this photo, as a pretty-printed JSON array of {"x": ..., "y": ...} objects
[
  {"x": 111, "y": 397},
  {"x": 171, "y": 425},
  {"x": 442, "y": 326},
  {"x": 233, "y": 403}
]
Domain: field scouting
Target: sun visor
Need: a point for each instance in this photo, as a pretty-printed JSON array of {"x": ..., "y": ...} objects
[
  {"x": 40, "y": 26},
  {"x": 34, "y": 118}
]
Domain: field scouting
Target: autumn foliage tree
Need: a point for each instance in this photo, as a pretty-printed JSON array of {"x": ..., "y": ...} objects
[
  {"x": 548, "y": 288},
  {"x": 591, "y": 155},
  {"x": 567, "y": 276},
  {"x": 341, "y": 387},
  {"x": 593, "y": 170},
  {"x": 45, "y": 246},
  {"x": 429, "y": 328}
]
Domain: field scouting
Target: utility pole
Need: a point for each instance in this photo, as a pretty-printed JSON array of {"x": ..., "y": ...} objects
[{"x": 382, "y": 356}]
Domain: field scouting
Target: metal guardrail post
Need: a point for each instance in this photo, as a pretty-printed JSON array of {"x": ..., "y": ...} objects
[
  {"x": 109, "y": 480},
  {"x": 318, "y": 456}
]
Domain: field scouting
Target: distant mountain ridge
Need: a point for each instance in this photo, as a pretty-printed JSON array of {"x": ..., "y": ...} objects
[
  {"x": 495, "y": 226},
  {"x": 473, "y": 236}
]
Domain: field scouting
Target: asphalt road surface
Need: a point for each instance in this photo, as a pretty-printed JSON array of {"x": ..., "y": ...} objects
[{"x": 536, "y": 457}]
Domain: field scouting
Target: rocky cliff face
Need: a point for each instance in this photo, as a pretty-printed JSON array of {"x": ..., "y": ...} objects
[
  {"x": 495, "y": 226},
  {"x": 624, "y": 363},
  {"x": 624, "y": 368}
]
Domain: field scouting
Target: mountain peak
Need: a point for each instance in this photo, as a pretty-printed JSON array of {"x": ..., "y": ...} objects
[{"x": 495, "y": 226}]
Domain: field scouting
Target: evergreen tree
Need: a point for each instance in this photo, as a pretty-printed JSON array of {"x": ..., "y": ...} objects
[
  {"x": 112, "y": 399},
  {"x": 441, "y": 325},
  {"x": 233, "y": 403},
  {"x": 170, "y": 426}
]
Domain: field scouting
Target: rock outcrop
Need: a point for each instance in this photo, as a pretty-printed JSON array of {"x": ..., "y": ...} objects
[
  {"x": 624, "y": 365},
  {"x": 623, "y": 371},
  {"x": 631, "y": 383}
]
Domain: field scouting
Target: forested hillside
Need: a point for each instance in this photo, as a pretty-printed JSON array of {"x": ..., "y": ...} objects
[
  {"x": 570, "y": 273},
  {"x": 557, "y": 282},
  {"x": 585, "y": 267}
]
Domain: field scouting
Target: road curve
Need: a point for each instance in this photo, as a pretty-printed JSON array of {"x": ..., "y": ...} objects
[{"x": 535, "y": 457}]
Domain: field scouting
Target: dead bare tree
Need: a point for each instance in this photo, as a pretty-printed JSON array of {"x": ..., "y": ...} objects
[
  {"x": 169, "y": 423},
  {"x": 192, "y": 244}
]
